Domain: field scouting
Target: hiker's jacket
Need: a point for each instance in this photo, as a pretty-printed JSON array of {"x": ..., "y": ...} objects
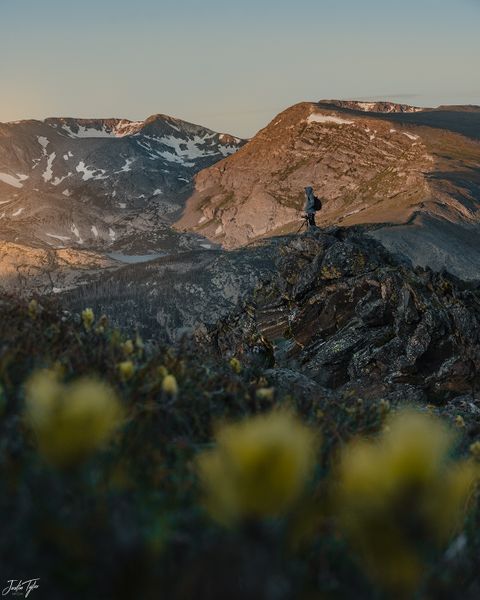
[{"x": 310, "y": 202}]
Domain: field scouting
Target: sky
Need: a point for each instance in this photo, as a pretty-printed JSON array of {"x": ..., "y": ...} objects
[{"x": 231, "y": 65}]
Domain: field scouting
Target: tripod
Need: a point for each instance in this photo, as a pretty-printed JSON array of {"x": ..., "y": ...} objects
[{"x": 304, "y": 224}]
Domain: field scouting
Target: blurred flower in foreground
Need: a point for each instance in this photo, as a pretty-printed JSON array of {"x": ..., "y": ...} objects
[
  {"x": 128, "y": 348},
  {"x": 265, "y": 394},
  {"x": 126, "y": 369},
  {"x": 401, "y": 495},
  {"x": 33, "y": 309},
  {"x": 259, "y": 468},
  {"x": 88, "y": 318},
  {"x": 236, "y": 365},
  {"x": 170, "y": 385},
  {"x": 70, "y": 421}
]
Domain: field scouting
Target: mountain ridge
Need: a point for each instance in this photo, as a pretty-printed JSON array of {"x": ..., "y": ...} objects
[{"x": 374, "y": 169}]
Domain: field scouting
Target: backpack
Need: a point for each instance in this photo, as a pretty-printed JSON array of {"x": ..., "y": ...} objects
[{"x": 317, "y": 204}]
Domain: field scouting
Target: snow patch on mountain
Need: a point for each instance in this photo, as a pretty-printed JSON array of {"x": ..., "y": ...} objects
[
  {"x": 12, "y": 180},
  {"x": 88, "y": 132},
  {"x": 76, "y": 233},
  {"x": 411, "y": 136},
  {"x": 227, "y": 150},
  {"x": 58, "y": 180},
  {"x": 171, "y": 157},
  {"x": 321, "y": 118},
  {"x": 62, "y": 238},
  {"x": 188, "y": 148},
  {"x": 90, "y": 172},
  {"x": 48, "y": 173},
  {"x": 126, "y": 166},
  {"x": 43, "y": 141}
]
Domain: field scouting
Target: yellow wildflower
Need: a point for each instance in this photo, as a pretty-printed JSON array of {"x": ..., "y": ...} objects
[
  {"x": 88, "y": 318},
  {"x": 460, "y": 421},
  {"x": 33, "y": 309},
  {"x": 475, "y": 449},
  {"x": 128, "y": 348},
  {"x": 126, "y": 369},
  {"x": 170, "y": 385},
  {"x": 71, "y": 421},
  {"x": 384, "y": 407},
  {"x": 236, "y": 365},
  {"x": 139, "y": 343},
  {"x": 162, "y": 371},
  {"x": 259, "y": 468},
  {"x": 103, "y": 323},
  {"x": 265, "y": 394},
  {"x": 393, "y": 488}
]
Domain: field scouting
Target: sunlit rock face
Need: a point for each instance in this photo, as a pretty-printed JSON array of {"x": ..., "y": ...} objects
[
  {"x": 26, "y": 270},
  {"x": 409, "y": 175}
]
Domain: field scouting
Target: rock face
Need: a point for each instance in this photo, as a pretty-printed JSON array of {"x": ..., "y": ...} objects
[
  {"x": 26, "y": 271},
  {"x": 407, "y": 173},
  {"x": 346, "y": 314}
]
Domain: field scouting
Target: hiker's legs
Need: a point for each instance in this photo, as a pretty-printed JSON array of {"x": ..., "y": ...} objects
[{"x": 311, "y": 220}]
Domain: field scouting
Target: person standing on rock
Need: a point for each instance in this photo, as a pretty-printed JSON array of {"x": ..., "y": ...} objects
[{"x": 312, "y": 205}]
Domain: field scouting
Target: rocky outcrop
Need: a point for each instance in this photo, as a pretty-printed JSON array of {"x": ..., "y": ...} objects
[
  {"x": 353, "y": 318},
  {"x": 28, "y": 270}
]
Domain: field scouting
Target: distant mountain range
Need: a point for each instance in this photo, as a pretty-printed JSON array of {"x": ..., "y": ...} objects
[
  {"x": 79, "y": 182},
  {"x": 79, "y": 195}
]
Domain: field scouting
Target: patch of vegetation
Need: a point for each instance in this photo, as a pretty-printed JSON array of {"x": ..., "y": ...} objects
[{"x": 118, "y": 481}]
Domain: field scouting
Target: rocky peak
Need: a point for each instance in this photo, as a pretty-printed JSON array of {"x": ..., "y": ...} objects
[
  {"x": 346, "y": 314},
  {"x": 354, "y": 162}
]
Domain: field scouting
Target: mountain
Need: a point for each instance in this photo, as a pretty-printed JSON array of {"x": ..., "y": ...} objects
[
  {"x": 77, "y": 182},
  {"x": 99, "y": 184},
  {"x": 410, "y": 176}
]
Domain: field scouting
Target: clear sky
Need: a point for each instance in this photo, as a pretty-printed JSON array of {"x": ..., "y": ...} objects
[{"x": 231, "y": 65}]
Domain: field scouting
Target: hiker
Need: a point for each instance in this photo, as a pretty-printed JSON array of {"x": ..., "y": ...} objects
[{"x": 312, "y": 205}]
